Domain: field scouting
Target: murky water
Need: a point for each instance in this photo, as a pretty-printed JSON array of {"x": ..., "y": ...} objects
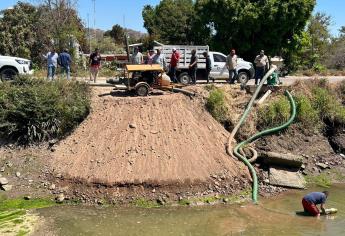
[{"x": 271, "y": 217}]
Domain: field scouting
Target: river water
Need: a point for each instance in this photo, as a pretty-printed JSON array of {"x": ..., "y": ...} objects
[{"x": 274, "y": 216}]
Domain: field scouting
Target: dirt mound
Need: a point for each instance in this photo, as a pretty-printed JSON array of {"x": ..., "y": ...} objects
[{"x": 159, "y": 139}]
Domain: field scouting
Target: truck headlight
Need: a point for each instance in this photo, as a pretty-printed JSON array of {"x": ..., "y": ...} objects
[{"x": 22, "y": 62}]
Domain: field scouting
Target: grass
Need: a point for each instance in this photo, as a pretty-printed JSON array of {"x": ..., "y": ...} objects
[
  {"x": 34, "y": 110},
  {"x": 143, "y": 203},
  {"x": 216, "y": 105},
  {"x": 318, "y": 105},
  {"x": 19, "y": 203},
  {"x": 322, "y": 180}
]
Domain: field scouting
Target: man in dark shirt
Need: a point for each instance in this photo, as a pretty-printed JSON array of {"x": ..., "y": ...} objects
[
  {"x": 208, "y": 66},
  {"x": 310, "y": 201},
  {"x": 65, "y": 62},
  {"x": 193, "y": 66},
  {"x": 95, "y": 64}
]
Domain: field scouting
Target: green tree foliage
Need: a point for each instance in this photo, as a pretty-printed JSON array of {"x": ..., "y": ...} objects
[
  {"x": 116, "y": 33},
  {"x": 18, "y": 32},
  {"x": 29, "y": 31},
  {"x": 170, "y": 21},
  {"x": 246, "y": 25}
]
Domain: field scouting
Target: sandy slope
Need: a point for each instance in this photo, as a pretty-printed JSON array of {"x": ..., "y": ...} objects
[{"x": 173, "y": 140}]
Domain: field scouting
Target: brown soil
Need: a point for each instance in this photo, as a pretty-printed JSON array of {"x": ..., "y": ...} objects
[{"x": 158, "y": 141}]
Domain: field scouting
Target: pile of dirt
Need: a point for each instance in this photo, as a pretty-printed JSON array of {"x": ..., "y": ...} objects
[{"x": 150, "y": 141}]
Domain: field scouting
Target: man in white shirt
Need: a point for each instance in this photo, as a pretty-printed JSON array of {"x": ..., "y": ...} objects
[
  {"x": 137, "y": 57},
  {"x": 261, "y": 64},
  {"x": 52, "y": 62},
  {"x": 231, "y": 64}
]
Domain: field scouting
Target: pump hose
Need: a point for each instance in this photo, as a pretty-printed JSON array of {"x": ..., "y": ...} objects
[{"x": 258, "y": 135}]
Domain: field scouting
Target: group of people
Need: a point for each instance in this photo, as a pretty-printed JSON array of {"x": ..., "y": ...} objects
[
  {"x": 261, "y": 66},
  {"x": 64, "y": 60},
  {"x": 54, "y": 60}
]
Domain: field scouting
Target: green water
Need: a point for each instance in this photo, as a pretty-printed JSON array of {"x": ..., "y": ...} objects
[{"x": 276, "y": 216}]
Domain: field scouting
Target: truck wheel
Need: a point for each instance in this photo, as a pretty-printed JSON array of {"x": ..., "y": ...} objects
[
  {"x": 8, "y": 74},
  {"x": 142, "y": 89},
  {"x": 243, "y": 77},
  {"x": 184, "y": 78}
]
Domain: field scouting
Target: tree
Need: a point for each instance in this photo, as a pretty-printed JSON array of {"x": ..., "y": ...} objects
[
  {"x": 117, "y": 33},
  {"x": 170, "y": 21},
  {"x": 18, "y": 32},
  {"x": 249, "y": 25}
]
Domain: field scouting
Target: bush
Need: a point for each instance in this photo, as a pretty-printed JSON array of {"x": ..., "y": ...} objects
[
  {"x": 215, "y": 104},
  {"x": 307, "y": 116},
  {"x": 276, "y": 113},
  {"x": 35, "y": 110}
]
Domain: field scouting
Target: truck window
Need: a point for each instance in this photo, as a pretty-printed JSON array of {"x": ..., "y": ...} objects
[{"x": 218, "y": 58}]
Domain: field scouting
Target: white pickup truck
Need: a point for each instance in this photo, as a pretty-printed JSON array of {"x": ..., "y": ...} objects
[
  {"x": 12, "y": 66},
  {"x": 244, "y": 68}
]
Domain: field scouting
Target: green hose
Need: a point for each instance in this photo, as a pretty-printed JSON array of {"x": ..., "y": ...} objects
[{"x": 260, "y": 134}]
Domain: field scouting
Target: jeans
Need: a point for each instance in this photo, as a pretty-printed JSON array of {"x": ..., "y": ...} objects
[
  {"x": 172, "y": 73},
  {"x": 51, "y": 72},
  {"x": 232, "y": 76},
  {"x": 208, "y": 75},
  {"x": 192, "y": 74},
  {"x": 67, "y": 70},
  {"x": 259, "y": 74}
]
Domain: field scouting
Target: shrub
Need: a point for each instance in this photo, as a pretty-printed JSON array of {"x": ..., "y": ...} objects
[
  {"x": 35, "y": 110},
  {"x": 215, "y": 104},
  {"x": 276, "y": 113},
  {"x": 307, "y": 116}
]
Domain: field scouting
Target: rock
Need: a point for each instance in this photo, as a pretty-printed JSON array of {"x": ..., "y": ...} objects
[
  {"x": 28, "y": 197},
  {"x": 160, "y": 201},
  {"x": 3, "y": 181},
  {"x": 132, "y": 126},
  {"x": 53, "y": 149},
  {"x": 2, "y": 169},
  {"x": 9, "y": 164},
  {"x": 153, "y": 190},
  {"x": 6, "y": 187},
  {"x": 302, "y": 167},
  {"x": 267, "y": 181},
  {"x": 60, "y": 198},
  {"x": 52, "y": 187},
  {"x": 18, "y": 174},
  {"x": 225, "y": 200},
  {"x": 52, "y": 142},
  {"x": 59, "y": 176},
  {"x": 322, "y": 165},
  {"x": 342, "y": 155},
  {"x": 286, "y": 178}
]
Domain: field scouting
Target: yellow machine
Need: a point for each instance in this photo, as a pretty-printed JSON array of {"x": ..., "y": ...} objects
[{"x": 143, "y": 78}]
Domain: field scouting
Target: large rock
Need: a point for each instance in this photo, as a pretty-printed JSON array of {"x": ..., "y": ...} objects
[
  {"x": 286, "y": 178},
  {"x": 338, "y": 142},
  {"x": 6, "y": 187},
  {"x": 282, "y": 159},
  {"x": 3, "y": 181}
]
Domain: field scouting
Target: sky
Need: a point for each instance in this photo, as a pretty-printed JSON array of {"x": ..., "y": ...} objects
[{"x": 127, "y": 13}]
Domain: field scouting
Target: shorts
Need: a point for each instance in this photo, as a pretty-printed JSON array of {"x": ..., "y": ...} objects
[{"x": 310, "y": 208}]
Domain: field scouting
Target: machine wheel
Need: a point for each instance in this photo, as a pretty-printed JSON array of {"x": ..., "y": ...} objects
[
  {"x": 184, "y": 78},
  {"x": 243, "y": 77},
  {"x": 8, "y": 74},
  {"x": 142, "y": 89}
]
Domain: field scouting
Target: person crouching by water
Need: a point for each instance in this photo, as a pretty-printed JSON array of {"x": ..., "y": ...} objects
[
  {"x": 310, "y": 201},
  {"x": 95, "y": 64}
]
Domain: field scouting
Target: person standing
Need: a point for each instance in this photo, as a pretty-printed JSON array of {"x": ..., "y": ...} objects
[
  {"x": 65, "y": 63},
  {"x": 137, "y": 57},
  {"x": 150, "y": 55},
  {"x": 52, "y": 63},
  {"x": 95, "y": 64},
  {"x": 193, "y": 66},
  {"x": 208, "y": 66},
  {"x": 310, "y": 201},
  {"x": 231, "y": 64},
  {"x": 261, "y": 65},
  {"x": 159, "y": 58},
  {"x": 174, "y": 60}
]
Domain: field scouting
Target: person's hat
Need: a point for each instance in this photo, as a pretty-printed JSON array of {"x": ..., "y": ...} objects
[{"x": 174, "y": 49}]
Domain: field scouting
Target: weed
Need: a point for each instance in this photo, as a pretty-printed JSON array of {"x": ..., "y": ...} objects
[
  {"x": 35, "y": 110},
  {"x": 215, "y": 104},
  {"x": 184, "y": 202},
  {"x": 307, "y": 116},
  {"x": 8, "y": 204},
  {"x": 143, "y": 203},
  {"x": 322, "y": 180}
]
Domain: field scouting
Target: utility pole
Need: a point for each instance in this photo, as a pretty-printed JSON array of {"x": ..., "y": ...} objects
[
  {"x": 88, "y": 31},
  {"x": 94, "y": 17}
]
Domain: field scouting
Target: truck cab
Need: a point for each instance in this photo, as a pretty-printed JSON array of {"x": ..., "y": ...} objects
[
  {"x": 245, "y": 69},
  {"x": 12, "y": 66}
]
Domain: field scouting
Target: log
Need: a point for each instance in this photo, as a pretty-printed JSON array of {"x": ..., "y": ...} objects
[{"x": 282, "y": 159}]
